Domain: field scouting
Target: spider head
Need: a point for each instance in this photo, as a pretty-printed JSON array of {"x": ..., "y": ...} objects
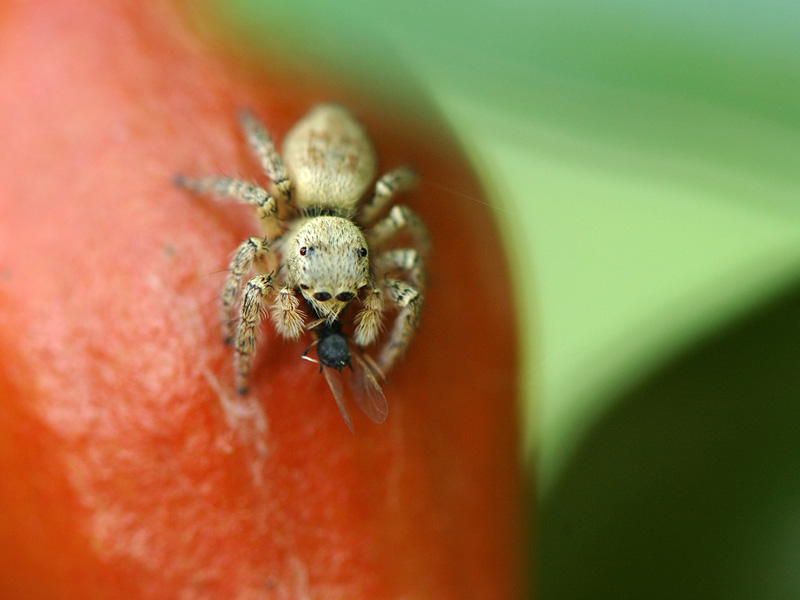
[{"x": 328, "y": 260}]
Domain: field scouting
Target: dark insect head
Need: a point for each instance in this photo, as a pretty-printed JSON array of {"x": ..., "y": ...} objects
[{"x": 332, "y": 348}]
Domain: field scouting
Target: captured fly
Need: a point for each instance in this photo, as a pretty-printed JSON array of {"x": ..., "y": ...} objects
[{"x": 333, "y": 355}]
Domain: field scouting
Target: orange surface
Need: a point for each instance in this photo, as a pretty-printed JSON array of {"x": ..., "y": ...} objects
[{"x": 130, "y": 469}]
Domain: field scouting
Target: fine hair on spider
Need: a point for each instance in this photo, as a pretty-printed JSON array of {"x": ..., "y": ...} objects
[{"x": 326, "y": 243}]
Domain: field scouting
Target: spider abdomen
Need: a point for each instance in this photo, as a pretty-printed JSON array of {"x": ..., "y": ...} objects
[{"x": 330, "y": 160}]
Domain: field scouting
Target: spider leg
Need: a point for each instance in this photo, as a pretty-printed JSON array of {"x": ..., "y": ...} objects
[
  {"x": 409, "y": 260},
  {"x": 266, "y": 205},
  {"x": 390, "y": 184},
  {"x": 264, "y": 149},
  {"x": 257, "y": 290},
  {"x": 400, "y": 218},
  {"x": 409, "y": 300},
  {"x": 404, "y": 259},
  {"x": 250, "y": 251}
]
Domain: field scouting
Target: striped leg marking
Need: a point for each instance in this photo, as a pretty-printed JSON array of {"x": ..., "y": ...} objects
[
  {"x": 256, "y": 293},
  {"x": 264, "y": 148},
  {"x": 409, "y": 300},
  {"x": 389, "y": 185}
]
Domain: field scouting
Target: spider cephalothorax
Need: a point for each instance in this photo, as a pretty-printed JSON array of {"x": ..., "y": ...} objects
[
  {"x": 328, "y": 260},
  {"x": 322, "y": 243}
]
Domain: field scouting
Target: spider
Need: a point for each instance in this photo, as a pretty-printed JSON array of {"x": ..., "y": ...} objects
[{"x": 322, "y": 247}]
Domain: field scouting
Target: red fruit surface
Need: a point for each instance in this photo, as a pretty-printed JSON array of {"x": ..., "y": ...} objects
[{"x": 130, "y": 468}]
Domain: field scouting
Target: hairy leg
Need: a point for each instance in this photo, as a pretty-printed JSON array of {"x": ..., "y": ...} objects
[
  {"x": 390, "y": 184},
  {"x": 400, "y": 219},
  {"x": 264, "y": 149},
  {"x": 409, "y": 300},
  {"x": 256, "y": 293},
  {"x": 266, "y": 206},
  {"x": 250, "y": 251},
  {"x": 407, "y": 260}
]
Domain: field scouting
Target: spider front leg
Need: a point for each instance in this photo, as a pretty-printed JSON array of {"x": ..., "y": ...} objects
[
  {"x": 256, "y": 293},
  {"x": 252, "y": 250}
]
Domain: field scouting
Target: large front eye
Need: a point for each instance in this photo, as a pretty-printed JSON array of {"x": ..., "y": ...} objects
[
  {"x": 322, "y": 296},
  {"x": 345, "y": 296}
]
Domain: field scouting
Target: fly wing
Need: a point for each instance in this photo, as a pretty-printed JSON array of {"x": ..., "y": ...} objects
[
  {"x": 334, "y": 380},
  {"x": 368, "y": 393}
]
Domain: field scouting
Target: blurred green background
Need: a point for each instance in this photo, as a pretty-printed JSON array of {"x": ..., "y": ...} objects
[{"x": 643, "y": 158}]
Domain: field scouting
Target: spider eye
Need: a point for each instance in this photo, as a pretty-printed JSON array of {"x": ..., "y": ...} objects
[
  {"x": 303, "y": 251},
  {"x": 303, "y": 286},
  {"x": 345, "y": 296},
  {"x": 322, "y": 296},
  {"x": 362, "y": 252}
]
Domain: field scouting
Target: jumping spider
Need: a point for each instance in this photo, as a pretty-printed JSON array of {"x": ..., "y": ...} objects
[{"x": 320, "y": 242}]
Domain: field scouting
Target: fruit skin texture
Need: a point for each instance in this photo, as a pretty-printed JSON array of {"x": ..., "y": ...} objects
[{"x": 130, "y": 469}]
